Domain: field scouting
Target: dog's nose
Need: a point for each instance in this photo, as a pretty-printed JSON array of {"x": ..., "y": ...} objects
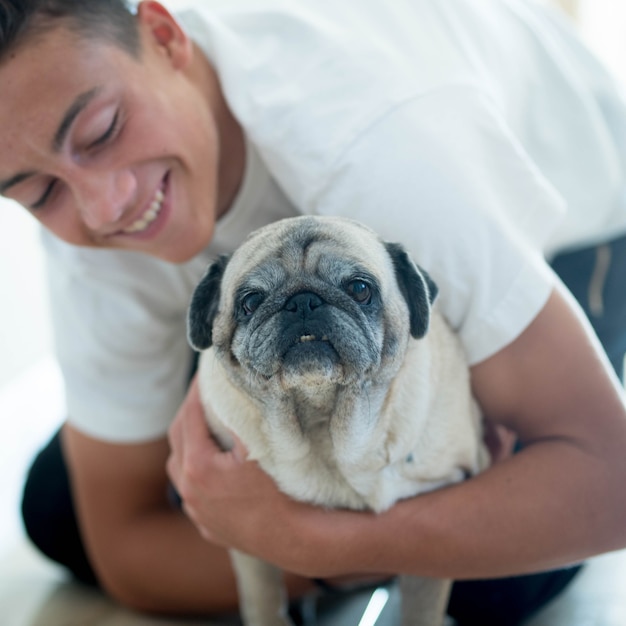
[{"x": 303, "y": 302}]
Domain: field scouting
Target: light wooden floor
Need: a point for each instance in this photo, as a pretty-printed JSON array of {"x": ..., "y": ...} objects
[{"x": 33, "y": 592}]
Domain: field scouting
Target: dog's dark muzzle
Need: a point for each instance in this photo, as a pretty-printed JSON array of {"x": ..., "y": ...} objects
[
  {"x": 303, "y": 304},
  {"x": 309, "y": 336},
  {"x": 307, "y": 326}
]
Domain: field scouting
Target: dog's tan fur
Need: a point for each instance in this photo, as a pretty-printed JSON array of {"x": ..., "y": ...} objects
[{"x": 389, "y": 419}]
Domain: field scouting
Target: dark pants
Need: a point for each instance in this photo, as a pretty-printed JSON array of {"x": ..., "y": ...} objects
[
  {"x": 50, "y": 520},
  {"x": 597, "y": 279}
]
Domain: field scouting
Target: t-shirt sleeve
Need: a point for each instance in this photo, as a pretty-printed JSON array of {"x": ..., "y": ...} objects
[
  {"x": 442, "y": 174},
  {"x": 120, "y": 336}
]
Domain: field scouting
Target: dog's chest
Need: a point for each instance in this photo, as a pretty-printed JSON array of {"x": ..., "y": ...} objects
[
  {"x": 364, "y": 449},
  {"x": 313, "y": 408},
  {"x": 317, "y": 475}
]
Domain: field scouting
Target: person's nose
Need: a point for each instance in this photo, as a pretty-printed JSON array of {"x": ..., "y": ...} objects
[{"x": 103, "y": 197}]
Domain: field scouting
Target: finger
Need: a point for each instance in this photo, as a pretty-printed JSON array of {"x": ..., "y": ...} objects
[
  {"x": 173, "y": 470},
  {"x": 500, "y": 441},
  {"x": 193, "y": 393},
  {"x": 174, "y": 464},
  {"x": 239, "y": 450},
  {"x": 199, "y": 442},
  {"x": 175, "y": 434},
  {"x": 176, "y": 444},
  {"x": 194, "y": 426},
  {"x": 200, "y": 447},
  {"x": 206, "y": 534}
]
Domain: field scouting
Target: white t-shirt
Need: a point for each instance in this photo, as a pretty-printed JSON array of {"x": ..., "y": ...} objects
[
  {"x": 479, "y": 133},
  {"x": 119, "y": 320}
]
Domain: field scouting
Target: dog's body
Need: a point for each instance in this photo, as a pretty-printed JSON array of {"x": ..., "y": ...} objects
[{"x": 324, "y": 356}]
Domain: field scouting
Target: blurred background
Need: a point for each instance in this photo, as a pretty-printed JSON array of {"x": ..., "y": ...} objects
[{"x": 31, "y": 397}]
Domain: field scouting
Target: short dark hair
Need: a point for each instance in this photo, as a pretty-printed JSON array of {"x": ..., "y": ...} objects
[{"x": 111, "y": 20}]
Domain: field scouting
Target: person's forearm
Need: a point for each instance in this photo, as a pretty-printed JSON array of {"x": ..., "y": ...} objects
[
  {"x": 558, "y": 501},
  {"x": 166, "y": 567},
  {"x": 146, "y": 554},
  {"x": 548, "y": 506}
]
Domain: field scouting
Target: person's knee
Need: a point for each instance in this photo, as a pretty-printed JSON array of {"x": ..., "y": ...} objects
[
  {"x": 506, "y": 601},
  {"x": 46, "y": 490},
  {"x": 48, "y": 513}
]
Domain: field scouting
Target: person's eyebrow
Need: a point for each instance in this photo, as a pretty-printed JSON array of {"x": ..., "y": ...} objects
[{"x": 73, "y": 111}]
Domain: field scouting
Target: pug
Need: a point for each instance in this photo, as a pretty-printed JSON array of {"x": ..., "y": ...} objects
[{"x": 322, "y": 351}]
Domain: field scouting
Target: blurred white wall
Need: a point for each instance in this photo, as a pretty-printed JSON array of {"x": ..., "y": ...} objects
[{"x": 24, "y": 329}]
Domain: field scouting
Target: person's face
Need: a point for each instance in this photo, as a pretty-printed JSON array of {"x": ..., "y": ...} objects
[{"x": 110, "y": 151}]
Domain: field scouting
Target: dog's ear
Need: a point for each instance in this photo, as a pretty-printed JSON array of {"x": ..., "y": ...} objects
[
  {"x": 417, "y": 287},
  {"x": 204, "y": 305}
]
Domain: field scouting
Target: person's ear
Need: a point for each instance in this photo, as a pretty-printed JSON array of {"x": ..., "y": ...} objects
[{"x": 164, "y": 31}]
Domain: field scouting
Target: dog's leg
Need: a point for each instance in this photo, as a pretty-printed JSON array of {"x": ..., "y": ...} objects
[
  {"x": 424, "y": 600},
  {"x": 262, "y": 595}
]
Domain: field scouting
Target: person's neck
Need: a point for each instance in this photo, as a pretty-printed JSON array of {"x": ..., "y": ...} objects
[
  {"x": 231, "y": 142},
  {"x": 232, "y": 160}
]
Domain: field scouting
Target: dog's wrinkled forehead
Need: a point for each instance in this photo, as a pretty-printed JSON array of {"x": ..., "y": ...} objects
[{"x": 297, "y": 246}]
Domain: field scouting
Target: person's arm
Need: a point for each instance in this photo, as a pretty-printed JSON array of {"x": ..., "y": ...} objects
[
  {"x": 556, "y": 502},
  {"x": 146, "y": 554}
]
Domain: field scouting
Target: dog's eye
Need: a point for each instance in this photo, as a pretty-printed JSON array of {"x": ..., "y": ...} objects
[
  {"x": 251, "y": 302},
  {"x": 359, "y": 291}
]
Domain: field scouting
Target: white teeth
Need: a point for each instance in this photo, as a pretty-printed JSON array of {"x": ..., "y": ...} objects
[
  {"x": 149, "y": 216},
  {"x": 306, "y": 338}
]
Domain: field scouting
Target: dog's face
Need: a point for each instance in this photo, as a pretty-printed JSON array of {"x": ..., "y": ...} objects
[{"x": 310, "y": 301}]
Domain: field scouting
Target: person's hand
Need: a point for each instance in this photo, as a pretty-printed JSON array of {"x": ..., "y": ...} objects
[
  {"x": 231, "y": 501},
  {"x": 500, "y": 441},
  {"x": 234, "y": 503}
]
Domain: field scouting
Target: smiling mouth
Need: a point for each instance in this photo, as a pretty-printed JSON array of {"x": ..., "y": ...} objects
[{"x": 139, "y": 225}]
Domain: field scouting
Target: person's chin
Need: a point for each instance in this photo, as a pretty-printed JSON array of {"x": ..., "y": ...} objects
[{"x": 185, "y": 250}]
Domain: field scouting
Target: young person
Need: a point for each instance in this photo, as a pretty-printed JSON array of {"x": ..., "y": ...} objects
[{"x": 481, "y": 135}]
